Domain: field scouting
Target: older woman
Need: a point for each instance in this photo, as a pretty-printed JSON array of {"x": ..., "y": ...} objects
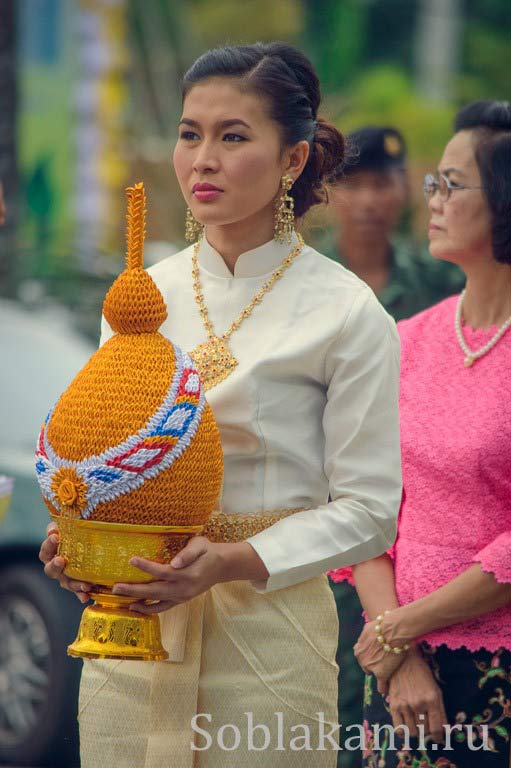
[
  {"x": 439, "y": 635},
  {"x": 307, "y": 409}
]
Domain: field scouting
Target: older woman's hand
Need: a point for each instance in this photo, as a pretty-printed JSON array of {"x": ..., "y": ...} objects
[
  {"x": 415, "y": 698},
  {"x": 54, "y": 565},
  {"x": 373, "y": 659}
]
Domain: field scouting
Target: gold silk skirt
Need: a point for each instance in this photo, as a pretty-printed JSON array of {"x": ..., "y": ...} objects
[{"x": 251, "y": 681}]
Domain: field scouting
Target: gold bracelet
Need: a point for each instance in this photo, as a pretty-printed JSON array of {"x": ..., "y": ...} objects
[{"x": 397, "y": 649}]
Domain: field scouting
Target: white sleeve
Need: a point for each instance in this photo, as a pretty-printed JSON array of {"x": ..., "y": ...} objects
[
  {"x": 362, "y": 458},
  {"x": 106, "y": 331}
]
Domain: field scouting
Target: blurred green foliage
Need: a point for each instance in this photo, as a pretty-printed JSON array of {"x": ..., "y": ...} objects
[
  {"x": 385, "y": 95},
  {"x": 232, "y": 21},
  {"x": 487, "y": 55}
]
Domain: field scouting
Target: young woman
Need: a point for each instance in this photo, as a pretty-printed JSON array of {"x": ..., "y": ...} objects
[
  {"x": 451, "y": 565},
  {"x": 306, "y": 404}
]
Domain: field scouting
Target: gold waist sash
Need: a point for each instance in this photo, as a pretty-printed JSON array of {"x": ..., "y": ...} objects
[{"x": 234, "y": 528}]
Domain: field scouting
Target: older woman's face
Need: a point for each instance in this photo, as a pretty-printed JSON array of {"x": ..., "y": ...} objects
[
  {"x": 460, "y": 228},
  {"x": 228, "y": 157}
]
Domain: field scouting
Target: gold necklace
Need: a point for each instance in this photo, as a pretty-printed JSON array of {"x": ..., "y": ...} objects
[{"x": 212, "y": 358}]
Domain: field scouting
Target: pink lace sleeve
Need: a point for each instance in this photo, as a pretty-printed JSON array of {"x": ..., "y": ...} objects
[
  {"x": 346, "y": 574},
  {"x": 496, "y": 558},
  {"x": 342, "y": 574}
]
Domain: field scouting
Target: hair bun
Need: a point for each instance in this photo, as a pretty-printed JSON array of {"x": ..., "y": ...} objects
[{"x": 325, "y": 161}]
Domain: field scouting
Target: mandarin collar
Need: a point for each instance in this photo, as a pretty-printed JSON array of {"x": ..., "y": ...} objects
[{"x": 254, "y": 263}]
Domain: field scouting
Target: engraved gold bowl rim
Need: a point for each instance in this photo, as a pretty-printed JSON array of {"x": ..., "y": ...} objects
[
  {"x": 133, "y": 528},
  {"x": 99, "y": 552}
]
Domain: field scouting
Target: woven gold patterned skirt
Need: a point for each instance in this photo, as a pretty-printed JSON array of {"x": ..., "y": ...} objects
[{"x": 251, "y": 681}]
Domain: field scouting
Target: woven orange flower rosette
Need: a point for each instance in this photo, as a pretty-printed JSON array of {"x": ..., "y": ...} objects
[{"x": 129, "y": 461}]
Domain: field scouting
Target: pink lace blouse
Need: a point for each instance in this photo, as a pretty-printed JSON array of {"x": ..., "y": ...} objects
[{"x": 456, "y": 450}]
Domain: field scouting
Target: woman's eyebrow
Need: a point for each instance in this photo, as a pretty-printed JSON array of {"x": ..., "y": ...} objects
[
  {"x": 233, "y": 121},
  {"x": 447, "y": 171},
  {"x": 222, "y": 124},
  {"x": 187, "y": 121}
]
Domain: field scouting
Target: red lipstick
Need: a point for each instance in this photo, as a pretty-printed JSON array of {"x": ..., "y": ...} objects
[{"x": 205, "y": 191}]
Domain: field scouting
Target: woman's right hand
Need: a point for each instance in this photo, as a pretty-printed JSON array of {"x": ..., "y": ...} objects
[
  {"x": 54, "y": 565},
  {"x": 416, "y": 699}
]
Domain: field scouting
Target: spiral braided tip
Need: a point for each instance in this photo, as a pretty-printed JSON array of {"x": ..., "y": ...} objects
[
  {"x": 135, "y": 234},
  {"x": 134, "y": 304}
]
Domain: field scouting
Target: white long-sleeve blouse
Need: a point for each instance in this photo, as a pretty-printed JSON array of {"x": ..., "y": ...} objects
[{"x": 309, "y": 417}]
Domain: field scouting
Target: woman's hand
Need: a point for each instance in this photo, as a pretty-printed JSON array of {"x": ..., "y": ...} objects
[
  {"x": 374, "y": 660},
  {"x": 54, "y": 565},
  {"x": 416, "y": 699},
  {"x": 198, "y": 566}
]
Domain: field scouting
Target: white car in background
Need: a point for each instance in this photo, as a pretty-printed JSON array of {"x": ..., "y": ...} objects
[{"x": 40, "y": 354}]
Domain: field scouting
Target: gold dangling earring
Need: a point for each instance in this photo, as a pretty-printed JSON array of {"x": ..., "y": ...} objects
[
  {"x": 193, "y": 228},
  {"x": 284, "y": 212}
]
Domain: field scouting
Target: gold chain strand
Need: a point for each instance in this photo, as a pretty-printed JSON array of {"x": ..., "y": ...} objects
[
  {"x": 213, "y": 359},
  {"x": 268, "y": 285}
]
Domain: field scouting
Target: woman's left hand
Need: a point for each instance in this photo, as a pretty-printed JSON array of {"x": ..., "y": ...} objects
[
  {"x": 194, "y": 570},
  {"x": 374, "y": 660}
]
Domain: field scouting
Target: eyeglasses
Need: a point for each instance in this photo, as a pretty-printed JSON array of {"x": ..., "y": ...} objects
[{"x": 443, "y": 185}]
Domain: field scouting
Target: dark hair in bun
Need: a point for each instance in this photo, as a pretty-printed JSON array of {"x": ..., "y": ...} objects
[
  {"x": 491, "y": 122},
  {"x": 286, "y": 79}
]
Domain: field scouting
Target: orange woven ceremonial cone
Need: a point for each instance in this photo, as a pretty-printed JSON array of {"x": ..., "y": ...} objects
[{"x": 129, "y": 461}]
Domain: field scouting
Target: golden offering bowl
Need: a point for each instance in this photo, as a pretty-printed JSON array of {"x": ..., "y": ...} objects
[{"x": 99, "y": 553}]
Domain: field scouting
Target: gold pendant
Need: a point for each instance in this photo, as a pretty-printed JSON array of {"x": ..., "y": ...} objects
[
  {"x": 468, "y": 361},
  {"x": 213, "y": 361}
]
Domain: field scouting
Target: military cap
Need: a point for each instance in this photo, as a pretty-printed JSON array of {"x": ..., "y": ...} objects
[{"x": 375, "y": 148}]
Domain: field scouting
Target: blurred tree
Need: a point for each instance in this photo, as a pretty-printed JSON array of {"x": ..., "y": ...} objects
[
  {"x": 438, "y": 47},
  {"x": 8, "y": 146},
  {"x": 229, "y": 21},
  {"x": 164, "y": 42},
  {"x": 335, "y": 36},
  {"x": 40, "y": 197},
  {"x": 487, "y": 50},
  {"x": 390, "y": 32}
]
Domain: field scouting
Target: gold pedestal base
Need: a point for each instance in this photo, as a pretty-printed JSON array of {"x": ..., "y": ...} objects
[{"x": 110, "y": 631}]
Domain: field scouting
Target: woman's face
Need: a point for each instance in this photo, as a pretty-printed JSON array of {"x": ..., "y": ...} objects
[
  {"x": 460, "y": 228},
  {"x": 228, "y": 157}
]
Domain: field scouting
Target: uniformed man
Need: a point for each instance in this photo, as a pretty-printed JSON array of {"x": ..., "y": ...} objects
[{"x": 367, "y": 204}]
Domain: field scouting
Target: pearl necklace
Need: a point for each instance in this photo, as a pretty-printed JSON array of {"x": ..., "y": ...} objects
[{"x": 472, "y": 355}]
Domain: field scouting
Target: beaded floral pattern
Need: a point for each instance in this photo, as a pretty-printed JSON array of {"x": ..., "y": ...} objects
[{"x": 476, "y": 689}]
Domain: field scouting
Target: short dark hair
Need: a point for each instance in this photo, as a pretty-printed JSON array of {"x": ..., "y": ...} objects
[
  {"x": 287, "y": 80},
  {"x": 491, "y": 122}
]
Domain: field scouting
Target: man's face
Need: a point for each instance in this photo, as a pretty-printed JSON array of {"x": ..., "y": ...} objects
[{"x": 368, "y": 204}]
